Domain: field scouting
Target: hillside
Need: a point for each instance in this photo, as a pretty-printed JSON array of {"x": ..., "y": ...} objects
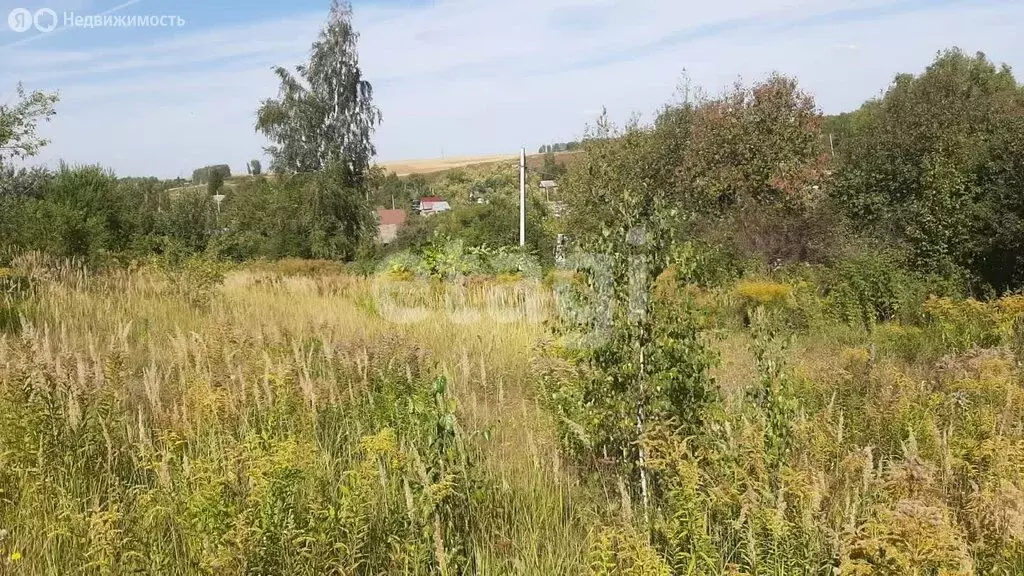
[{"x": 433, "y": 165}]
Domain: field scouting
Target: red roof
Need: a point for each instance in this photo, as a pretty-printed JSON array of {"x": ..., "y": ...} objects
[{"x": 396, "y": 217}]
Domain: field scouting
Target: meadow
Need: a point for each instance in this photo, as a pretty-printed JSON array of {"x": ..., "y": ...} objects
[
  {"x": 277, "y": 418},
  {"x": 741, "y": 338}
]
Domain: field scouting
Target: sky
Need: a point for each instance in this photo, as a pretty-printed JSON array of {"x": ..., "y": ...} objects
[{"x": 458, "y": 77}]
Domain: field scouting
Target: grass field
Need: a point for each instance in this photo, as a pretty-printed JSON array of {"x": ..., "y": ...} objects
[
  {"x": 283, "y": 419},
  {"x": 429, "y": 166},
  {"x": 168, "y": 423}
]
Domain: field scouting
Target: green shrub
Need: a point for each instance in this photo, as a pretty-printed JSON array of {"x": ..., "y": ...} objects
[
  {"x": 874, "y": 287},
  {"x": 706, "y": 265}
]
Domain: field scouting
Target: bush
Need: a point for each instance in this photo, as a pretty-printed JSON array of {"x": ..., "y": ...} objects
[
  {"x": 874, "y": 287},
  {"x": 447, "y": 258},
  {"x": 968, "y": 323},
  {"x": 764, "y": 293},
  {"x": 706, "y": 265}
]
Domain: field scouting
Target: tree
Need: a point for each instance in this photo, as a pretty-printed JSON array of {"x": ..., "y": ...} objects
[
  {"x": 255, "y": 168},
  {"x": 324, "y": 112},
  {"x": 753, "y": 164},
  {"x": 215, "y": 182},
  {"x": 79, "y": 212},
  {"x": 551, "y": 170},
  {"x": 752, "y": 147},
  {"x": 934, "y": 165},
  {"x": 203, "y": 175},
  {"x": 322, "y": 121},
  {"x": 496, "y": 223},
  {"x": 19, "y": 122},
  {"x": 647, "y": 364},
  {"x": 296, "y": 215}
]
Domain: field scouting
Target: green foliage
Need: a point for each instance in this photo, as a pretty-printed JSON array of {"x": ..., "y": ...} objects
[
  {"x": 772, "y": 397},
  {"x": 616, "y": 176},
  {"x": 76, "y": 212},
  {"x": 560, "y": 147},
  {"x": 193, "y": 279},
  {"x": 670, "y": 382},
  {"x": 19, "y": 122},
  {"x": 208, "y": 174},
  {"x": 87, "y": 213},
  {"x": 325, "y": 115},
  {"x": 14, "y": 288},
  {"x": 867, "y": 289},
  {"x": 749, "y": 163},
  {"x": 445, "y": 258},
  {"x": 931, "y": 164},
  {"x": 215, "y": 182},
  {"x": 647, "y": 363},
  {"x": 753, "y": 146},
  {"x": 707, "y": 265},
  {"x": 551, "y": 169},
  {"x": 623, "y": 551},
  {"x": 317, "y": 215},
  {"x": 876, "y": 286}
]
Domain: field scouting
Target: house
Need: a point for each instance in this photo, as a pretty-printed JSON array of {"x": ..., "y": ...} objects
[
  {"x": 389, "y": 223},
  {"x": 432, "y": 205}
]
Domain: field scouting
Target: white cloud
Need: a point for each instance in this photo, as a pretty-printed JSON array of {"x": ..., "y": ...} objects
[{"x": 475, "y": 76}]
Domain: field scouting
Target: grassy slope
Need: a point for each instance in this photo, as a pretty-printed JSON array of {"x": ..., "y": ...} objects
[{"x": 430, "y": 166}]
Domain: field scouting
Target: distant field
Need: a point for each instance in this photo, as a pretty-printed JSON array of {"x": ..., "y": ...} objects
[
  {"x": 423, "y": 166},
  {"x": 428, "y": 166}
]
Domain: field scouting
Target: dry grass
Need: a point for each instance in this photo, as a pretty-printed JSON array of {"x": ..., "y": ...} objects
[
  {"x": 279, "y": 420},
  {"x": 171, "y": 394},
  {"x": 430, "y": 166}
]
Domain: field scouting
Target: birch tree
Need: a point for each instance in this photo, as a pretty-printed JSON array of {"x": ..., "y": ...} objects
[
  {"x": 321, "y": 124},
  {"x": 324, "y": 112}
]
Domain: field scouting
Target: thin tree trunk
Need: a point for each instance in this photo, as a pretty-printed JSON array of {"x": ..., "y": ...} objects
[{"x": 640, "y": 421}]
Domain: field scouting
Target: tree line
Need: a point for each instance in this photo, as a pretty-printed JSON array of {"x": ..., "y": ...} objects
[
  {"x": 559, "y": 147},
  {"x": 317, "y": 206},
  {"x": 931, "y": 170}
]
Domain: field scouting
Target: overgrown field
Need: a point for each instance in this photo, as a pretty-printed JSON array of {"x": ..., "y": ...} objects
[
  {"x": 162, "y": 423},
  {"x": 282, "y": 419}
]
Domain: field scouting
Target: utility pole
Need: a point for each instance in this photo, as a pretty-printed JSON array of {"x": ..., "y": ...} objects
[{"x": 522, "y": 197}]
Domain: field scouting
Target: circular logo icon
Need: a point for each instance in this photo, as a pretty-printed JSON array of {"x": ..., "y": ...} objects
[
  {"x": 45, "y": 20},
  {"x": 20, "y": 20}
]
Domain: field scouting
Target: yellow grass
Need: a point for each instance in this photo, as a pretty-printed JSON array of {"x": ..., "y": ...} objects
[
  {"x": 201, "y": 373},
  {"x": 432, "y": 165}
]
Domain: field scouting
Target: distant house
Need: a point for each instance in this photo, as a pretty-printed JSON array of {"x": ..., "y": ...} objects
[
  {"x": 432, "y": 205},
  {"x": 389, "y": 223}
]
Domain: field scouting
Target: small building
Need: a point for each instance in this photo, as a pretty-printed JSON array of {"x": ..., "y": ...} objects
[
  {"x": 429, "y": 205},
  {"x": 389, "y": 222}
]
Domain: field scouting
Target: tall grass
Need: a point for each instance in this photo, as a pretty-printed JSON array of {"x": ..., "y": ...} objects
[
  {"x": 271, "y": 424},
  {"x": 293, "y": 419}
]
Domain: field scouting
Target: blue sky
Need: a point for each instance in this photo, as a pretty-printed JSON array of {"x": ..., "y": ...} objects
[{"x": 460, "y": 77}]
